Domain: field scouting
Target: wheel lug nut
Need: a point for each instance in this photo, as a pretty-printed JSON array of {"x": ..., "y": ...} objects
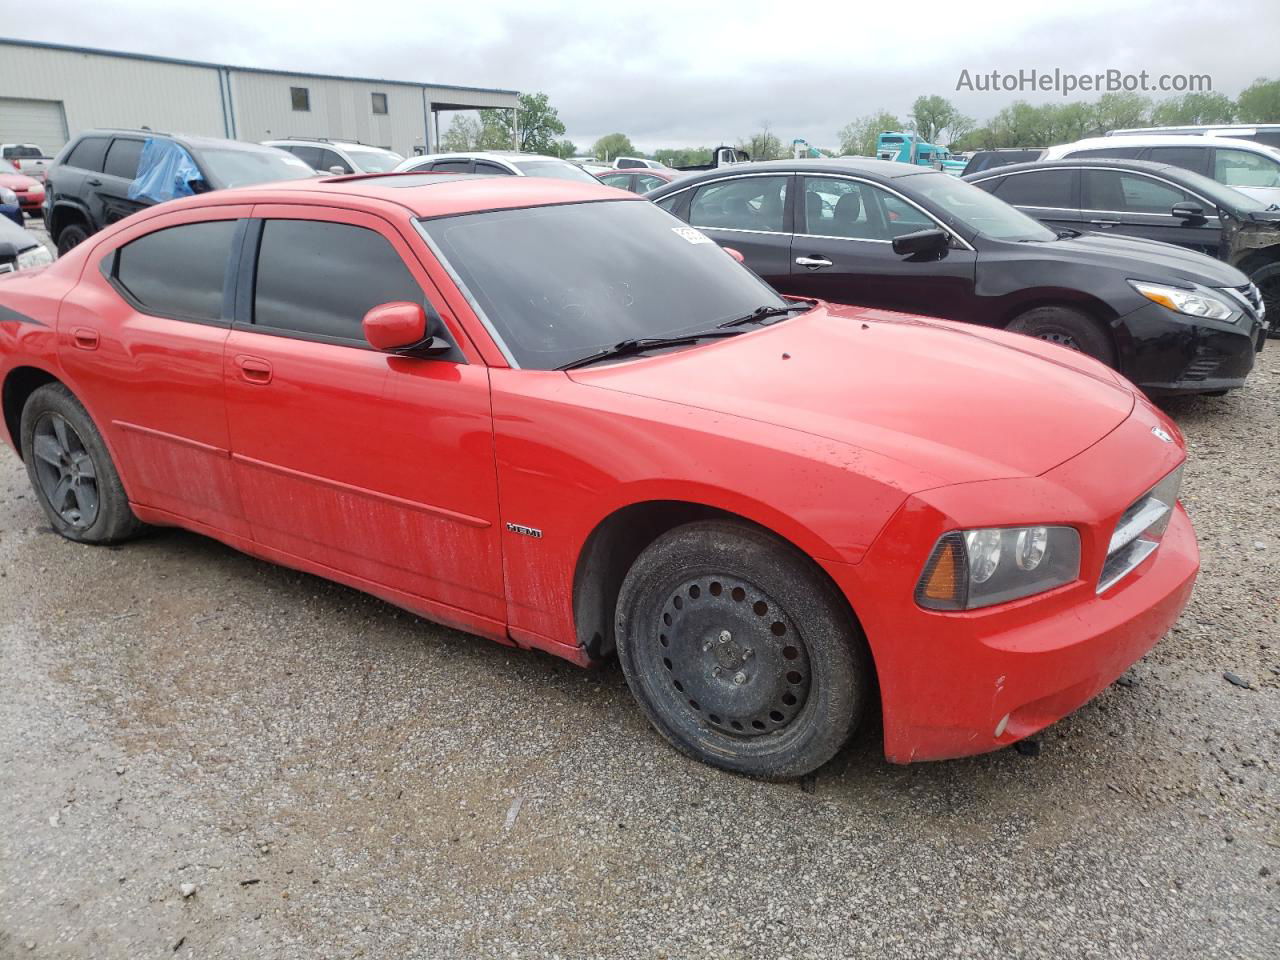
[
  {"x": 748, "y": 653},
  {"x": 725, "y": 636},
  {"x": 706, "y": 647},
  {"x": 739, "y": 678},
  {"x": 716, "y": 671}
]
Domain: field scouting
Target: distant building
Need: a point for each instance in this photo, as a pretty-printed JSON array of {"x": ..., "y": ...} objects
[{"x": 49, "y": 92}]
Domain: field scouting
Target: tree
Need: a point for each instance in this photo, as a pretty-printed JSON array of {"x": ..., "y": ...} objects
[
  {"x": 858, "y": 138},
  {"x": 932, "y": 115},
  {"x": 539, "y": 123},
  {"x": 564, "y": 149},
  {"x": 495, "y": 131},
  {"x": 958, "y": 127},
  {"x": 463, "y": 134},
  {"x": 613, "y": 145},
  {"x": 1115, "y": 111},
  {"x": 1259, "y": 102},
  {"x": 762, "y": 146},
  {"x": 1193, "y": 108},
  {"x": 682, "y": 156}
]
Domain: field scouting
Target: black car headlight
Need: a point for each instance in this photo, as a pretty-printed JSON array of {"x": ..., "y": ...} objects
[
  {"x": 1196, "y": 302},
  {"x": 989, "y": 565}
]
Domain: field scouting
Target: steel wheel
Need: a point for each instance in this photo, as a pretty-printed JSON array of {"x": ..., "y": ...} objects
[
  {"x": 65, "y": 471},
  {"x": 733, "y": 658}
]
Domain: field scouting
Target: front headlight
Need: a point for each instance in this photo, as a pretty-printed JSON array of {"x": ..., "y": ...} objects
[
  {"x": 37, "y": 256},
  {"x": 7, "y": 197},
  {"x": 1197, "y": 302},
  {"x": 978, "y": 568}
]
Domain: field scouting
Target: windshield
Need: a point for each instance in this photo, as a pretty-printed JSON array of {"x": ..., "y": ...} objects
[
  {"x": 239, "y": 168},
  {"x": 971, "y": 208},
  {"x": 374, "y": 161},
  {"x": 1218, "y": 193},
  {"x": 23, "y": 152},
  {"x": 560, "y": 282},
  {"x": 554, "y": 168}
]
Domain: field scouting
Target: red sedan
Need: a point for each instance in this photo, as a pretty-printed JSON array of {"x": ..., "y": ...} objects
[
  {"x": 30, "y": 191},
  {"x": 467, "y": 396},
  {"x": 638, "y": 180}
]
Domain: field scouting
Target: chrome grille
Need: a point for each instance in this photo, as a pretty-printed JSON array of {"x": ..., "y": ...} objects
[{"x": 1139, "y": 529}]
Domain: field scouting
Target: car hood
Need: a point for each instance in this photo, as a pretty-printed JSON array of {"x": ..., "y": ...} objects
[
  {"x": 1144, "y": 259},
  {"x": 958, "y": 402}
]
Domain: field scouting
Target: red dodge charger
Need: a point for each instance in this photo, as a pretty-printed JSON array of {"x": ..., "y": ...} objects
[{"x": 556, "y": 416}]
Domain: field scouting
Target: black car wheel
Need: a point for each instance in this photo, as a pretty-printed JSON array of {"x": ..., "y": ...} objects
[
  {"x": 1068, "y": 328},
  {"x": 1267, "y": 280},
  {"x": 71, "y": 471},
  {"x": 740, "y": 652},
  {"x": 71, "y": 236}
]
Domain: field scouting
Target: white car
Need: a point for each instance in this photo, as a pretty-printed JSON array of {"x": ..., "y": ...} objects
[
  {"x": 29, "y": 158},
  {"x": 338, "y": 156},
  {"x": 498, "y": 163},
  {"x": 631, "y": 163},
  {"x": 1250, "y": 167}
]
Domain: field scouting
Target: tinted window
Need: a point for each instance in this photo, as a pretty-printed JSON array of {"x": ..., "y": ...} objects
[
  {"x": 1039, "y": 188},
  {"x": 645, "y": 182},
  {"x": 1240, "y": 168},
  {"x": 626, "y": 163},
  {"x": 1117, "y": 153},
  {"x": 1129, "y": 192},
  {"x": 88, "y": 154},
  {"x": 23, "y": 151},
  {"x": 1190, "y": 158},
  {"x": 308, "y": 155},
  {"x": 322, "y": 278},
  {"x": 483, "y": 166},
  {"x": 560, "y": 282},
  {"x": 122, "y": 158},
  {"x": 329, "y": 160},
  {"x": 452, "y": 166},
  {"x": 620, "y": 180},
  {"x": 180, "y": 271},
  {"x": 747, "y": 203}
]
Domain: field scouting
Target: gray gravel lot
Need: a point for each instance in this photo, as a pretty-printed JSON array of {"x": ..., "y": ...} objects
[{"x": 337, "y": 778}]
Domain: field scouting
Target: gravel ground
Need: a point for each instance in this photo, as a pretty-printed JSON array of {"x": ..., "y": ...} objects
[{"x": 335, "y": 778}]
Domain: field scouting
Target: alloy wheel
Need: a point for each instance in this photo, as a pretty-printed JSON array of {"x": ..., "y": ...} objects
[{"x": 65, "y": 470}]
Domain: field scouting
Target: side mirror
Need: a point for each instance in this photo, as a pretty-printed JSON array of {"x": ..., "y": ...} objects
[
  {"x": 338, "y": 171},
  {"x": 198, "y": 185},
  {"x": 932, "y": 241},
  {"x": 736, "y": 254},
  {"x": 1190, "y": 213},
  {"x": 8, "y": 256},
  {"x": 401, "y": 327}
]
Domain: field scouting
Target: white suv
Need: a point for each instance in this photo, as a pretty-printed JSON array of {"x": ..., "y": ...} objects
[
  {"x": 1252, "y": 168},
  {"x": 498, "y": 163},
  {"x": 338, "y": 156}
]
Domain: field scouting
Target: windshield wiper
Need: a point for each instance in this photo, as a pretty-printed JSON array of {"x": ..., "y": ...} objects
[
  {"x": 763, "y": 313},
  {"x": 627, "y": 348}
]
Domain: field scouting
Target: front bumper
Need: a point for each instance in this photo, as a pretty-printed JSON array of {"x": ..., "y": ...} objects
[
  {"x": 1169, "y": 353},
  {"x": 955, "y": 684},
  {"x": 32, "y": 201}
]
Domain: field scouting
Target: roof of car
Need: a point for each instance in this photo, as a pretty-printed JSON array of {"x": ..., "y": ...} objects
[
  {"x": 1160, "y": 140},
  {"x": 190, "y": 140},
  {"x": 1147, "y": 166},
  {"x": 881, "y": 169},
  {"x": 501, "y": 154},
  {"x": 434, "y": 194},
  {"x": 324, "y": 142}
]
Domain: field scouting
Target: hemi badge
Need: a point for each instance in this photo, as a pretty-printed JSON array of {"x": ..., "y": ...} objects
[{"x": 525, "y": 531}]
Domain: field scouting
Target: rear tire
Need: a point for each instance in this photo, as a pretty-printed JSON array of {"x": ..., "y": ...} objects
[
  {"x": 1068, "y": 328},
  {"x": 1267, "y": 279},
  {"x": 740, "y": 652},
  {"x": 71, "y": 236},
  {"x": 71, "y": 471}
]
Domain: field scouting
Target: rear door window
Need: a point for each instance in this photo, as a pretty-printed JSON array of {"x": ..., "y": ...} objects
[
  {"x": 746, "y": 203},
  {"x": 1189, "y": 158},
  {"x": 179, "y": 271},
  {"x": 1039, "y": 188},
  {"x": 620, "y": 180},
  {"x": 1114, "y": 190},
  {"x": 122, "y": 158},
  {"x": 319, "y": 278},
  {"x": 88, "y": 154}
]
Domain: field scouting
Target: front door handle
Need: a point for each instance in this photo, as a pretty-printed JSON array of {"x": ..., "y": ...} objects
[
  {"x": 1105, "y": 223},
  {"x": 813, "y": 263},
  {"x": 84, "y": 338},
  {"x": 94, "y": 182},
  {"x": 254, "y": 369}
]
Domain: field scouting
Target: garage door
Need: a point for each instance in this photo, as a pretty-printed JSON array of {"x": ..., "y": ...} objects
[{"x": 41, "y": 122}]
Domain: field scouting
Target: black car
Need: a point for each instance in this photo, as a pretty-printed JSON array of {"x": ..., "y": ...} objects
[
  {"x": 1155, "y": 201},
  {"x": 981, "y": 160},
  {"x": 882, "y": 234},
  {"x": 88, "y": 184}
]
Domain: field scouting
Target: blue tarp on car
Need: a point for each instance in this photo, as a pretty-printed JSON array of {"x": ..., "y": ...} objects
[{"x": 165, "y": 171}]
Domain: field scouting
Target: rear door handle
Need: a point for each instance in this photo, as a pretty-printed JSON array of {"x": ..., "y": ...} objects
[
  {"x": 1106, "y": 223},
  {"x": 813, "y": 263},
  {"x": 94, "y": 182},
  {"x": 84, "y": 338},
  {"x": 254, "y": 369}
]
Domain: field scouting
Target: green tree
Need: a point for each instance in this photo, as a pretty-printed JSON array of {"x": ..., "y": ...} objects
[
  {"x": 762, "y": 145},
  {"x": 539, "y": 123},
  {"x": 932, "y": 115},
  {"x": 495, "y": 131},
  {"x": 1259, "y": 102},
  {"x": 564, "y": 149},
  {"x": 682, "y": 156},
  {"x": 613, "y": 145},
  {"x": 463, "y": 134},
  {"x": 1115, "y": 111},
  {"x": 1193, "y": 108},
  {"x": 858, "y": 138}
]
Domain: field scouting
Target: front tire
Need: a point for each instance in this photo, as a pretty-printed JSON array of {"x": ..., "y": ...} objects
[
  {"x": 740, "y": 652},
  {"x": 1068, "y": 328},
  {"x": 71, "y": 236},
  {"x": 1267, "y": 279},
  {"x": 71, "y": 471}
]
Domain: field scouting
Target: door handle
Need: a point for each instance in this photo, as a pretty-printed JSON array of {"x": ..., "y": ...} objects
[
  {"x": 84, "y": 338},
  {"x": 813, "y": 263},
  {"x": 94, "y": 182},
  {"x": 254, "y": 369},
  {"x": 1106, "y": 223}
]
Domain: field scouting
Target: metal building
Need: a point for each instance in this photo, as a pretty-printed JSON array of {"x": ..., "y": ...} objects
[{"x": 49, "y": 92}]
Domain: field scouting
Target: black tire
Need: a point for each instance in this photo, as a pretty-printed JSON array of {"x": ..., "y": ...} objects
[
  {"x": 740, "y": 652},
  {"x": 1068, "y": 328},
  {"x": 1267, "y": 279},
  {"x": 71, "y": 236},
  {"x": 71, "y": 470}
]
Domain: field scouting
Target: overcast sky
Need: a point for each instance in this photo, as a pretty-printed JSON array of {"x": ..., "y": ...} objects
[{"x": 694, "y": 73}]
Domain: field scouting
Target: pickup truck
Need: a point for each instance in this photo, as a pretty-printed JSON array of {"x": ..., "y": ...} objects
[
  {"x": 721, "y": 156},
  {"x": 28, "y": 158}
]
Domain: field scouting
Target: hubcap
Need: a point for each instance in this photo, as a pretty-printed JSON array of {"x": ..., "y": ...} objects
[
  {"x": 732, "y": 656},
  {"x": 1061, "y": 339},
  {"x": 65, "y": 471}
]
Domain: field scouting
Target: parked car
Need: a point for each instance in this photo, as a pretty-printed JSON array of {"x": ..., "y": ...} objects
[
  {"x": 981, "y": 160},
  {"x": 638, "y": 181},
  {"x": 1267, "y": 134},
  {"x": 498, "y": 163},
  {"x": 91, "y": 181},
  {"x": 28, "y": 158},
  {"x": 10, "y": 208},
  {"x": 1252, "y": 168},
  {"x": 454, "y": 393},
  {"x": 338, "y": 156},
  {"x": 19, "y": 250},
  {"x": 721, "y": 156},
  {"x": 634, "y": 163},
  {"x": 28, "y": 190},
  {"x": 1154, "y": 201},
  {"x": 891, "y": 235}
]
